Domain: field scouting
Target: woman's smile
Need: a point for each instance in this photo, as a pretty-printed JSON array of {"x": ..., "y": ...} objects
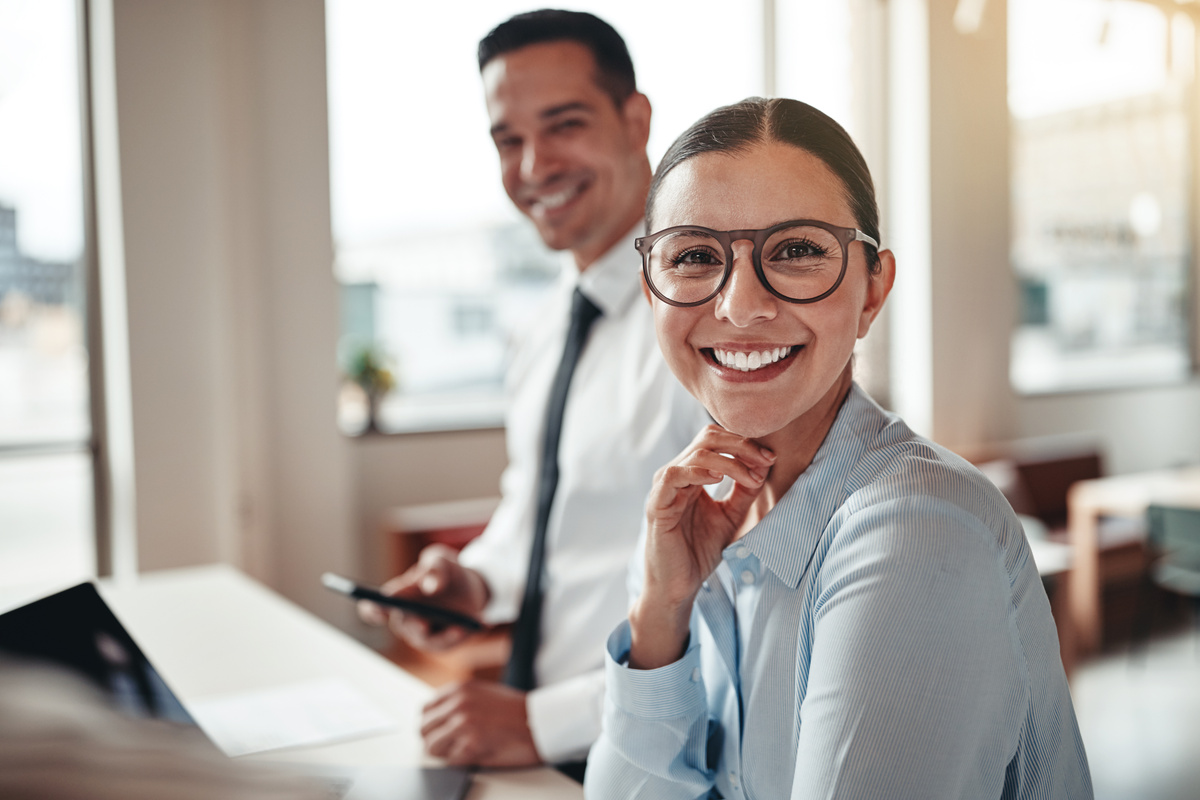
[{"x": 750, "y": 363}]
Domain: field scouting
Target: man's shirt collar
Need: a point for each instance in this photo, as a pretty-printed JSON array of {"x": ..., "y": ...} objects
[{"x": 614, "y": 280}]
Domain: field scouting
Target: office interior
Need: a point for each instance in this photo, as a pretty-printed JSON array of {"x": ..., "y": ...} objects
[{"x": 218, "y": 310}]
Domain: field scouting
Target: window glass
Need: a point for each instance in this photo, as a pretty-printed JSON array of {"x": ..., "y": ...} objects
[
  {"x": 46, "y": 522},
  {"x": 1098, "y": 93}
]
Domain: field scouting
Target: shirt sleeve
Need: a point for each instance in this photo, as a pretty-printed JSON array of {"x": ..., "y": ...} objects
[
  {"x": 501, "y": 553},
  {"x": 655, "y": 736},
  {"x": 564, "y": 717},
  {"x": 910, "y": 691}
]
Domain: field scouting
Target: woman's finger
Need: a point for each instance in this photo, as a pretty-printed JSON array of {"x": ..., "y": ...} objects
[
  {"x": 717, "y": 439},
  {"x": 750, "y": 475}
]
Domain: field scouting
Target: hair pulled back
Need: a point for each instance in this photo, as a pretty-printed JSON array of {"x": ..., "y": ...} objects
[{"x": 736, "y": 128}]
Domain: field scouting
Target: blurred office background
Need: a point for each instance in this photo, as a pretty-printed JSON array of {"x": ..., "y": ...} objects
[{"x": 211, "y": 211}]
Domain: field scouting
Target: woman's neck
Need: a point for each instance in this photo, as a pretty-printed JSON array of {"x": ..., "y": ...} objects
[{"x": 795, "y": 446}]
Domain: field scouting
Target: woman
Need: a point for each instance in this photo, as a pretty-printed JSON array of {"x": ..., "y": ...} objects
[{"x": 859, "y": 614}]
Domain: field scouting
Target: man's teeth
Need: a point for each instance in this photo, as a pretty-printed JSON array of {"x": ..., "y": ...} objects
[
  {"x": 748, "y": 362},
  {"x": 549, "y": 202}
]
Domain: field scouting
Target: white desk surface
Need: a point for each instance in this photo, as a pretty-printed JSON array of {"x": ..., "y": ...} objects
[{"x": 212, "y": 631}]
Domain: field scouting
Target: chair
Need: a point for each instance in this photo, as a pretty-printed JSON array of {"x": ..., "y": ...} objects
[
  {"x": 1174, "y": 563},
  {"x": 1046, "y": 478}
]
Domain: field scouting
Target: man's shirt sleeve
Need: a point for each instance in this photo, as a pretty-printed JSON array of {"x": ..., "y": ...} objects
[{"x": 564, "y": 717}]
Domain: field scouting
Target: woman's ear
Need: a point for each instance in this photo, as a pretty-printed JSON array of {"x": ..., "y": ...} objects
[{"x": 879, "y": 286}]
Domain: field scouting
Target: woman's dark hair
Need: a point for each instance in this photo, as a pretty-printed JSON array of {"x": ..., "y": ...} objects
[
  {"x": 737, "y": 128},
  {"x": 614, "y": 67}
]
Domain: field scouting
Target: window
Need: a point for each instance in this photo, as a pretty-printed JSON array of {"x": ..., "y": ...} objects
[
  {"x": 413, "y": 169},
  {"x": 46, "y": 511},
  {"x": 1100, "y": 93}
]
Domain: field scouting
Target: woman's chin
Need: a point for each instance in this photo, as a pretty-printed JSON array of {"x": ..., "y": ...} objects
[{"x": 751, "y": 426}]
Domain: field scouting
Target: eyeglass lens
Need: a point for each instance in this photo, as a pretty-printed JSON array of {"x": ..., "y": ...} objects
[{"x": 800, "y": 262}]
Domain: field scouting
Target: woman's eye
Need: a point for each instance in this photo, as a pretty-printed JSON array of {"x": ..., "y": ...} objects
[
  {"x": 801, "y": 250},
  {"x": 702, "y": 257}
]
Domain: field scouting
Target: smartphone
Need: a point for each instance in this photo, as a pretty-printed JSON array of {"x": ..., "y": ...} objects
[{"x": 435, "y": 614}]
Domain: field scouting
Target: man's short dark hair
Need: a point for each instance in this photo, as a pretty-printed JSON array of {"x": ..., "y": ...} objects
[{"x": 614, "y": 66}]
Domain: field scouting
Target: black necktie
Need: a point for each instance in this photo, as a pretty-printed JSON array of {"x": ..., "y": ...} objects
[{"x": 519, "y": 673}]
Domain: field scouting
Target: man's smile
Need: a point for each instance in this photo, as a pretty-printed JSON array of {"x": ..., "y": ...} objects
[{"x": 544, "y": 203}]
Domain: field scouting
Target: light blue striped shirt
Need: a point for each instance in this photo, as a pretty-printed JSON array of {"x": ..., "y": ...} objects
[{"x": 882, "y": 633}]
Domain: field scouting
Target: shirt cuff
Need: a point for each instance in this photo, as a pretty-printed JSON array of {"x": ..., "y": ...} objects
[
  {"x": 564, "y": 717},
  {"x": 672, "y": 691}
]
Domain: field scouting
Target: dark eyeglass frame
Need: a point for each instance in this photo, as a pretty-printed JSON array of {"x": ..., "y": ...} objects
[{"x": 846, "y": 236}]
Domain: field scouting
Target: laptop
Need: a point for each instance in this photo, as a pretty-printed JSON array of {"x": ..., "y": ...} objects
[{"x": 75, "y": 629}]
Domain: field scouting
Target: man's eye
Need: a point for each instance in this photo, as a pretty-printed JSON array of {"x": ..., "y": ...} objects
[
  {"x": 508, "y": 143},
  {"x": 563, "y": 126}
]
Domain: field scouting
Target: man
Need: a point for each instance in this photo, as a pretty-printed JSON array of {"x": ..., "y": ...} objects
[{"x": 570, "y": 128}]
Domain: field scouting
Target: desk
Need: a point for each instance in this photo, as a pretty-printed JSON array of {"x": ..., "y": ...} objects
[
  {"x": 1087, "y": 502},
  {"x": 212, "y": 630}
]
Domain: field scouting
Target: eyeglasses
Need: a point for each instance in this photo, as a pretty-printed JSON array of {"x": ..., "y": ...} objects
[{"x": 801, "y": 261}]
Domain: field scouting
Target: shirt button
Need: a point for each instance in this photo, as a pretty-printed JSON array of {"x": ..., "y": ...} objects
[
  {"x": 695, "y": 674},
  {"x": 748, "y": 577},
  {"x": 707, "y": 588},
  {"x": 743, "y": 551}
]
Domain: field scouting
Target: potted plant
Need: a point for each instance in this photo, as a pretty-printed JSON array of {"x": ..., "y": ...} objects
[{"x": 368, "y": 369}]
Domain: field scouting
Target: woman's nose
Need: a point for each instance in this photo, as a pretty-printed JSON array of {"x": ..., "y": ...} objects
[{"x": 744, "y": 300}]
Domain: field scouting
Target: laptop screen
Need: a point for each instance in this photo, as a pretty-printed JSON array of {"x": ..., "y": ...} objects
[{"x": 76, "y": 630}]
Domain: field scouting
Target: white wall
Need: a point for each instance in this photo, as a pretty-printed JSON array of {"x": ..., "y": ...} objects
[
  {"x": 973, "y": 289},
  {"x": 232, "y": 305},
  {"x": 1136, "y": 429}
]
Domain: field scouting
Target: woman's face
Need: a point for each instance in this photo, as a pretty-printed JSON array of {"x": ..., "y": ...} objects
[{"x": 770, "y": 184}]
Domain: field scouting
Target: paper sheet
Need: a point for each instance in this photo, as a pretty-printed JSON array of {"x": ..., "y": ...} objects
[{"x": 298, "y": 714}]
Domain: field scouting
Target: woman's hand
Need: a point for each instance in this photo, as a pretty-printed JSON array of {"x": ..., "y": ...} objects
[{"x": 686, "y": 532}]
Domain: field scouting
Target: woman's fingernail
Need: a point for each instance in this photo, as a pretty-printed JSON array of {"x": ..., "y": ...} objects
[
  {"x": 767, "y": 453},
  {"x": 429, "y": 584},
  {"x": 758, "y": 475}
]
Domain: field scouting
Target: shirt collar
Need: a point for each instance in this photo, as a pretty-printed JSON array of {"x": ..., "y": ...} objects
[
  {"x": 785, "y": 540},
  {"x": 614, "y": 280}
]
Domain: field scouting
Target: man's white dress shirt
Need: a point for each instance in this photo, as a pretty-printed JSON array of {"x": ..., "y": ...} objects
[{"x": 625, "y": 417}]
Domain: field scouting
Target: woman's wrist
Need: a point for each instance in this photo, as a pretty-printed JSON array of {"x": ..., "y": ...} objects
[{"x": 658, "y": 632}]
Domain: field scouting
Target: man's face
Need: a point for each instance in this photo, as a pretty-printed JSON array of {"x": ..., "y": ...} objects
[{"x": 570, "y": 160}]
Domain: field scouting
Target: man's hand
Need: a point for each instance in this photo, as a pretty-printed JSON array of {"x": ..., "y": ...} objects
[
  {"x": 436, "y": 578},
  {"x": 479, "y": 723}
]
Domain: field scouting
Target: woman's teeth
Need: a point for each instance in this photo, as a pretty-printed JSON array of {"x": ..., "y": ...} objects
[{"x": 748, "y": 362}]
